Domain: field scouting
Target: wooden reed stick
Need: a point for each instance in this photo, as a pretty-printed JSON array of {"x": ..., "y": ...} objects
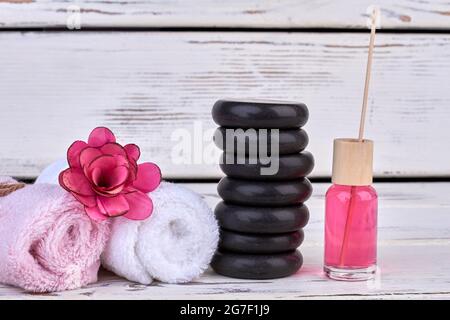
[
  {"x": 350, "y": 210},
  {"x": 374, "y": 18}
]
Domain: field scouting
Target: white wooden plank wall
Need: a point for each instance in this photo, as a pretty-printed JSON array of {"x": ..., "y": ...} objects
[
  {"x": 402, "y": 14},
  {"x": 56, "y": 86}
]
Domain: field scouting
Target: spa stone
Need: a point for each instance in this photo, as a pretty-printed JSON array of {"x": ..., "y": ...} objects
[
  {"x": 256, "y": 266},
  {"x": 259, "y": 114},
  {"x": 290, "y": 167},
  {"x": 264, "y": 193},
  {"x": 289, "y": 140},
  {"x": 261, "y": 243},
  {"x": 260, "y": 219}
]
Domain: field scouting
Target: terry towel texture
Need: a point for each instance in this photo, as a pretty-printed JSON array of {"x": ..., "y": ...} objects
[
  {"x": 174, "y": 245},
  {"x": 47, "y": 242}
]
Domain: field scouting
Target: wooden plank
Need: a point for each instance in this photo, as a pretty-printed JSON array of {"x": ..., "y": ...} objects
[
  {"x": 414, "y": 242},
  {"x": 400, "y": 14},
  {"x": 147, "y": 86}
]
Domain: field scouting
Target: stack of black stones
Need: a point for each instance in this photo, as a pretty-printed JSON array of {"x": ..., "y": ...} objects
[{"x": 262, "y": 214}]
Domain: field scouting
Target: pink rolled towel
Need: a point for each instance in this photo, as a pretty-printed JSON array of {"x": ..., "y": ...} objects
[{"x": 47, "y": 242}]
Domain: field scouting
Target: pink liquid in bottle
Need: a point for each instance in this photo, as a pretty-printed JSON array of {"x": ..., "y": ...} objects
[{"x": 350, "y": 232}]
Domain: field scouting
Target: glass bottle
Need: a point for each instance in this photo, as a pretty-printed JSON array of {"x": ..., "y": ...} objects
[{"x": 351, "y": 213}]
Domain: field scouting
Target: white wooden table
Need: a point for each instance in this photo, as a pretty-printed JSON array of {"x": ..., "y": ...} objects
[{"x": 414, "y": 257}]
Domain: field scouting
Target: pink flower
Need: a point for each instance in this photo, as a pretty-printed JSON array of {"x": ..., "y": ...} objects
[{"x": 106, "y": 179}]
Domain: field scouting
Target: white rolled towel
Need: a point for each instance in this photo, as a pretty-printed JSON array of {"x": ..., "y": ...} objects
[
  {"x": 51, "y": 172},
  {"x": 175, "y": 244}
]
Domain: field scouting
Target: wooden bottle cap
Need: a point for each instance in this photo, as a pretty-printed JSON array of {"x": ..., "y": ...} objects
[{"x": 352, "y": 162}]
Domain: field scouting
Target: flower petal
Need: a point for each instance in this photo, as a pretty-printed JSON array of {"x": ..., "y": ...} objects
[
  {"x": 140, "y": 206},
  {"x": 118, "y": 176},
  {"x": 113, "y": 149},
  {"x": 87, "y": 201},
  {"x": 73, "y": 153},
  {"x": 133, "y": 151},
  {"x": 148, "y": 177},
  {"x": 100, "y": 136},
  {"x": 73, "y": 180},
  {"x": 133, "y": 171},
  {"x": 111, "y": 183},
  {"x": 114, "y": 206},
  {"x": 99, "y": 171},
  {"x": 121, "y": 160},
  {"x": 88, "y": 155},
  {"x": 95, "y": 214},
  {"x": 105, "y": 163},
  {"x": 101, "y": 208}
]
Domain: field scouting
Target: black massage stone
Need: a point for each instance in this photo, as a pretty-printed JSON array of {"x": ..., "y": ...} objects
[
  {"x": 264, "y": 193},
  {"x": 259, "y": 114},
  {"x": 267, "y": 243},
  {"x": 262, "y": 214},
  {"x": 290, "y": 166},
  {"x": 260, "y": 219},
  {"x": 256, "y": 266},
  {"x": 289, "y": 140}
]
